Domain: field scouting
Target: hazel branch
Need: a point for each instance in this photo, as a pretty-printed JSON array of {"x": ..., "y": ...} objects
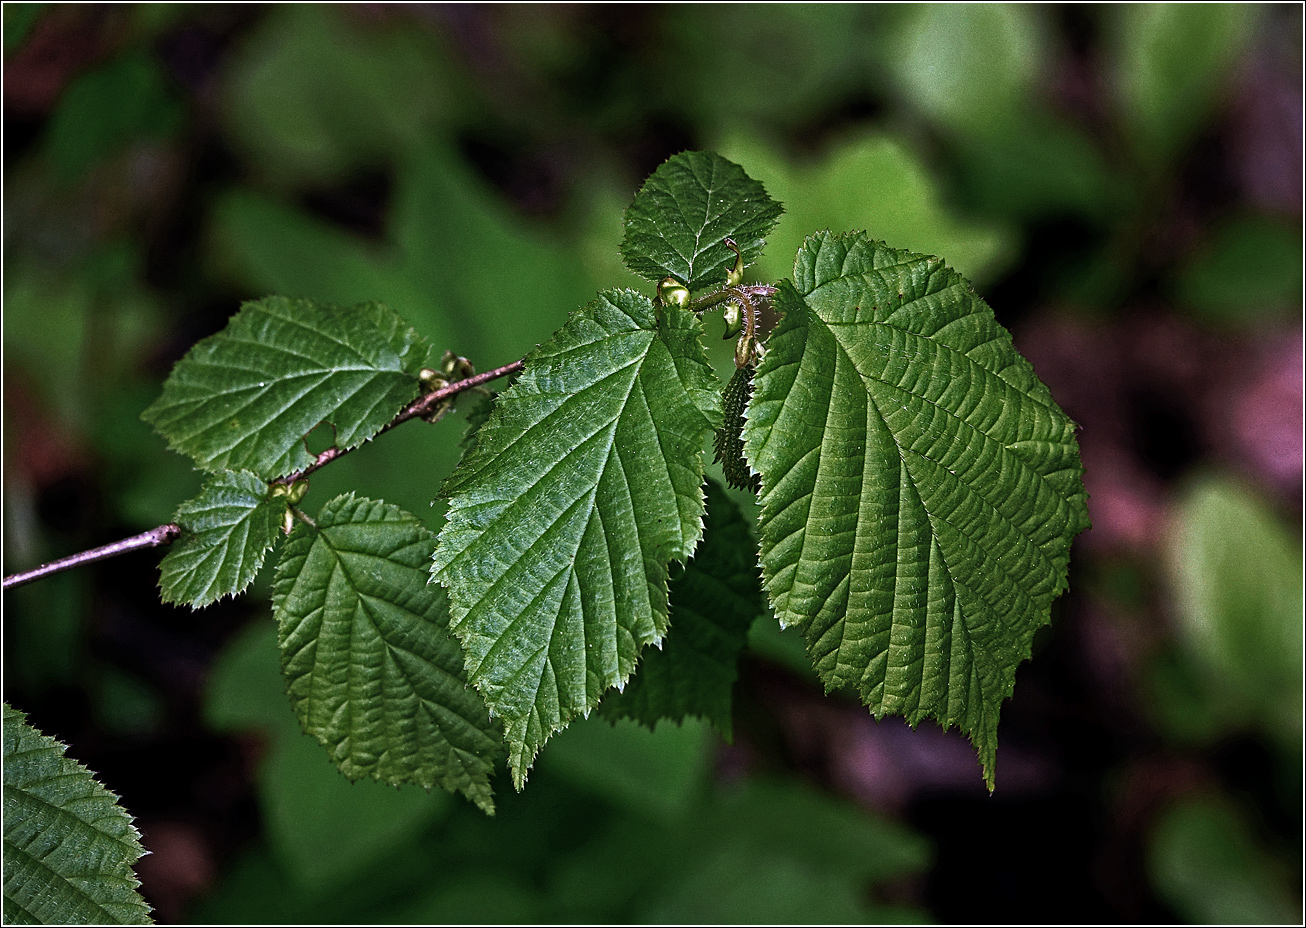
[{"x": 168, "y": 533}]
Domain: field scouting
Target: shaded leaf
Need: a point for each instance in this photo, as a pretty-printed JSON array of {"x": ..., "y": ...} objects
[
  {"x": 68, "y": 846},
  {"x": 230, "y": 527},
  {"x": 244, "y": 399},
  {"x": 372, "y": 671},
  {"x": 714, "y": 599},
  {"x": 920, "y": 487},
  {"x": 681, "y": 217},
  {"x": 584, "y": 482}
]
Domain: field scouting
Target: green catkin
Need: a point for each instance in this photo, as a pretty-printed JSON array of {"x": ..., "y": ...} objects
[{"x": 729, "y": 438}]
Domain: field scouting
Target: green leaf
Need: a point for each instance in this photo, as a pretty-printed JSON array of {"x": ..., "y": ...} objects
[
  {"x": 1236, "y": 575},
  {"x": 1172, "y": 60},
  {"x": 681, "y": 217},
  {"x": 1250, "y": 271},
  {"x": 584, "y": 482},
  {"x": 230, "y": 526},
  {"x": 372, "y": 670},
  {"x": 68, "y": 846},
  {"x": 869, "y": 181},
  {"x": 920, "y": 487},
  {"x": 244, "y": 399},
  {"x": 1205, "y": 861},
  {"x": 714, "y": 600}
]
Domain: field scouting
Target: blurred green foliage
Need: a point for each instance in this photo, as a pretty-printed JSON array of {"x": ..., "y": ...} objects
[
  {"x": 967, "y": 130},
  {"x": 617, "y": 823},
  {"x": 1210, "y": 867}
]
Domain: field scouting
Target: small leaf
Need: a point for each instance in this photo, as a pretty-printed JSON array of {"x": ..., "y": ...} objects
[
  {"x": 230, "y": 526},
  {"x": 245, "y": 398},
  {"x": 681, "y": 217},
  {"x": 68, "y": 846},
  {"x": 920, "y": 488},
  {"x": 372, "y": 670},
  {"x": 584, "y": 482},
  {"x": 714, "y": 600}
]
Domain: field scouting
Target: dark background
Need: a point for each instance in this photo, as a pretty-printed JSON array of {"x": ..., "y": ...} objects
[{"x": 1123, "y": 184}]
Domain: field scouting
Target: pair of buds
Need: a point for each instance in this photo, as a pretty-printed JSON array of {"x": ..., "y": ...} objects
[{"x": 741, "y": 310}]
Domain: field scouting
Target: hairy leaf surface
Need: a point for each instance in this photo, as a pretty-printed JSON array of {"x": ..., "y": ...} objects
[
  {"x": 230, "y": 527},
  {"x": 581, "y": 486},
  {"x": 714, "y": 599},
  {"x": 920, "y": 488},
  {"x": 68, "y": 846},
  {"x": 244, "y": 399},
  {"x": 681, "y": 217},
  {"x": 372, "y": 670}
]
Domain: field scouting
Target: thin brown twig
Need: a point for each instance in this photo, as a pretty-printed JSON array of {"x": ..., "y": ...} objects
[
  {"x": 170, "y": 532},
  {"x": 160, "y": 535}
]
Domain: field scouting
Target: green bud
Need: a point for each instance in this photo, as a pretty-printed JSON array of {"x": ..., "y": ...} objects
[
  {"x": 736, "y": 275},
  {"x": 431, "y": 379},
  {"x": 296, "y": 491},
  {"x": 673, "y": 293},
  {"x": 456, "y": 367},
  {"x": 734, "y": 320},
  {"x": 278, "y": 490},
  {"x": 288, "y": 521}
]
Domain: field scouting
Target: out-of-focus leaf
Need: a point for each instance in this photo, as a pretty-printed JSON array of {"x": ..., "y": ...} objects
[
  {"x": 1236, "y": 576},
  {"x": 457, "y": 264},
  {"x": 246, "y": 397},
  {"x": 819, "y": 56},
  {"x": 781, "y": 854},
  {"x": 104, "y": 109},
  {"x": 315, "y": 92},
  {"x": 1037, "y": 166},
  {"x": 322, "y": 827},
  {"x": 1173, "y": 62},
  {"x": 373, "y": 671},
  {"x": 1250, "y": 270},
  {"x": 583, "y": 484},
  {"x": 1205, "y": 862},
  {"x": 920, "y": 487},
  {"x": 230, "y": 527},
  {"x": 873, "y": 183},
  {"x": 970, "y": 66},
  {"x": 656, "y": 774},
  {"x": 714, "y": 599},
  {"x": 681, "y": 217},
  {"x": 69, "y": 847},
  {"x": 19, "y": 18}
]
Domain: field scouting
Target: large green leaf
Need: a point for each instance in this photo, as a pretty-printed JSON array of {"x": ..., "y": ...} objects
[
  {"x": 681, "y": 217},
  {"x": 244, "y": 399},
  {"x": 714, "y": 600},
  {"x": 372, "y": 670},
  {"x": 584, "y": 482},
  {"x": 230, "y": 526},
  {"x": 68, "y": 846},
  {"x": 920, "y": 487}
]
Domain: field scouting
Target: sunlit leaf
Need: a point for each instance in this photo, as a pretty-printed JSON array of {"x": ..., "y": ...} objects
[
  {"x": 372, "y": 670},
  {"x": 245, "y": 398},
  {"x": 584, "y": 482},
  {"x": 69, "y": 847},
  {"x": 920, "y": 487},
  {"x": 681, "y": 217}
]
